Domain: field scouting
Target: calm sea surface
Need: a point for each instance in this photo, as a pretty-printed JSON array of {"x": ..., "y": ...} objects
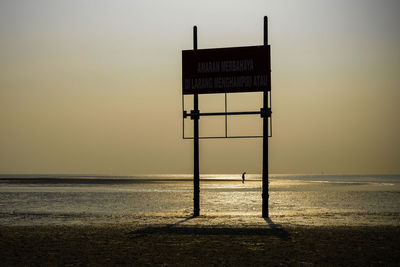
[{"x": 294, "y": 199}]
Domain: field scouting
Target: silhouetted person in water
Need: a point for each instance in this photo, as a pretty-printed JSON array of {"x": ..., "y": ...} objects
[{"x": 243, "y": 174}]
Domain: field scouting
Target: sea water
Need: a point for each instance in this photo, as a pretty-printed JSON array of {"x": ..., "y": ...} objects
[{"x": 224, "y": 199}]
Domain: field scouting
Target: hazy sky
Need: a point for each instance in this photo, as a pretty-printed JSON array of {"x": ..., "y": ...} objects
[{"x": 95, "y": 86}]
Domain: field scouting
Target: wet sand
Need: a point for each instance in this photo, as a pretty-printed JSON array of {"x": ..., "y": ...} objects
[
  {"x": 149, "y": 224},
  {"x": 198, "y": 244}
]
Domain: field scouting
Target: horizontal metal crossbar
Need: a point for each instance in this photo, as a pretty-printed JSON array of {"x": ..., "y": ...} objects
[
  {"x": 229, "y": 113},
  {"x": 195, "y": 114},
  {"x": 226, "y": 137}
]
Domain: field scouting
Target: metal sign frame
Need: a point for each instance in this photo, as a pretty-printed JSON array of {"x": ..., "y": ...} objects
[
  {"x": 264, "y": 112},
  {"x": 226, "y": 114}
]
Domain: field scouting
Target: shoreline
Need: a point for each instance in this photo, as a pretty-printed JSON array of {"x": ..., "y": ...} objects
[
  {"x": 196, "y": 244},
  {"x": 317, "y": 218}
]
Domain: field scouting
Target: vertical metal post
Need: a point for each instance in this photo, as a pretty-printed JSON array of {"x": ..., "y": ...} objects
[
  {"x": 226, "y": 117},
  {"x": 265, "y": 182},
  {"x": 196, "y": 172}
]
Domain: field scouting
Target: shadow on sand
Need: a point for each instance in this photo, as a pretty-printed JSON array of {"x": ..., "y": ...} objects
[{"x": 175, "y": 229}]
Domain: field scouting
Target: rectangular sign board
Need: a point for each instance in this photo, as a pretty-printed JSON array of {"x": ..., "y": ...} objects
[{"x": 225, "y": 70}]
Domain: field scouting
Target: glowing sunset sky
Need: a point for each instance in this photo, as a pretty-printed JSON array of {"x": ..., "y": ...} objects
[{"x": 95, "y": 86}]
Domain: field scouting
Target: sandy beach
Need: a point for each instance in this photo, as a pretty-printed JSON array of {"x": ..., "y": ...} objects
[
  {"x": 139, "y": 222},
  {"x": 199, "y": 245}
]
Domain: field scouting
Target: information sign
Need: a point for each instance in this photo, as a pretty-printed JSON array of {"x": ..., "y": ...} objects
[{"x": 225, "y": 70}]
